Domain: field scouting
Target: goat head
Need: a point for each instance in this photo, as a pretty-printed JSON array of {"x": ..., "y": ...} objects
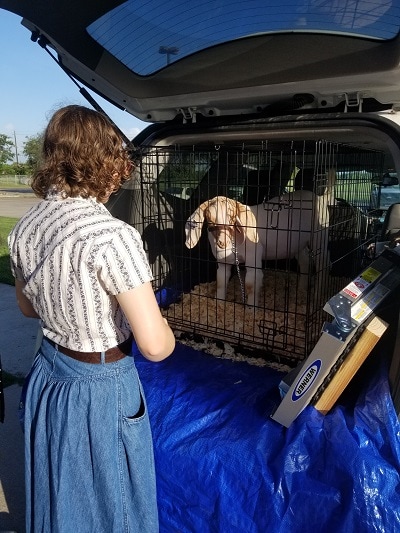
[{"x": 221, "y": 212}]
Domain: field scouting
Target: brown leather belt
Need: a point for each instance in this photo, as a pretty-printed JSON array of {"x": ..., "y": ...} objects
[{"x": 111, "y": 355}]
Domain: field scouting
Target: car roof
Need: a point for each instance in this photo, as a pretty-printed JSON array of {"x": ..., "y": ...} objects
[{"x": 163, "y": 61}]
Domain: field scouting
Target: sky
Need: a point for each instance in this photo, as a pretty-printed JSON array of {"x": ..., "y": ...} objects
[{"x": 32, "y": 87}]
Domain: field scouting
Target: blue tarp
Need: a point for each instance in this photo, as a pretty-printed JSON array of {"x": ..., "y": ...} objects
[{"x": 224, "y": 466}]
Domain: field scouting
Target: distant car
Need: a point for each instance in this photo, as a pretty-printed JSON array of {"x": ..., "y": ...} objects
[
  {"x": 390, "y": 178},
  {"x": 386, "y": 193}
]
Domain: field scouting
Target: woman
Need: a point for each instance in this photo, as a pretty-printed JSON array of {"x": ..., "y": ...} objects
[{"x": 88, "y": 449}]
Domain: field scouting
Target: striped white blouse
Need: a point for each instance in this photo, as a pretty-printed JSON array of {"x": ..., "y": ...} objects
[{"x": 75, "y": 257}]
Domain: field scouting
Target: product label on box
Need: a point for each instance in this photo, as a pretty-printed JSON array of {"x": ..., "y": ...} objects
[
  {"x": 363, "y": 308},
  {"x": 355, "y": 288}
]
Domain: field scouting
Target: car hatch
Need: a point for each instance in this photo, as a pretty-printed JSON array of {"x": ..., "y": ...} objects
[{"x": 193, "y": 60}]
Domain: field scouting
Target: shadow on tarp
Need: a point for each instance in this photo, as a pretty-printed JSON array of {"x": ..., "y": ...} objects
[{"x": 223, "y": 465}]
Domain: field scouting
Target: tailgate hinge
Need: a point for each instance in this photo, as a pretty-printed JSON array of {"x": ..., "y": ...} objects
[
  {"x": 189, "y": 114},
  {"x": 353, "y": 100}
]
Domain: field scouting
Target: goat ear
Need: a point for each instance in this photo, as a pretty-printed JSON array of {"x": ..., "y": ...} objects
[
  {"x": 193, "y": 226},
  {"x": 247, "y": 221}
]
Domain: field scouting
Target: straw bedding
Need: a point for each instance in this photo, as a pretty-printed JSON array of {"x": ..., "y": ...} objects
[{"x": 277, "y": 323}]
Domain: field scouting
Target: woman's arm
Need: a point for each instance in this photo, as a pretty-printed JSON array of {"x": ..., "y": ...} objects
[
  {"x": 152, "y": 333},
  {"x": 23, "y": 303}
]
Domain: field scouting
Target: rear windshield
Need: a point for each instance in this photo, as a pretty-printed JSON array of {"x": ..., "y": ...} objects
[{"x": 148, "y": 35}]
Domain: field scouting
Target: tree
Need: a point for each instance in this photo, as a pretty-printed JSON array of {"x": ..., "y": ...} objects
[
  {"x": 33, "y": 150},
  {"x": 6, "y": 149}
]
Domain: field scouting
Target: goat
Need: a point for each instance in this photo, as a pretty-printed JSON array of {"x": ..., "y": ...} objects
[{"x": 294, "y": 225}]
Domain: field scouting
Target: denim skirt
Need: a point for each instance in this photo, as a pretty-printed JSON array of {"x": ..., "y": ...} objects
[{"x": 89, "y": 461}]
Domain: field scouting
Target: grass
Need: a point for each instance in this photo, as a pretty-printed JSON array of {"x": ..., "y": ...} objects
[
  {"x": 6, "y": 225},
  {"x": 14, "y": 182}
]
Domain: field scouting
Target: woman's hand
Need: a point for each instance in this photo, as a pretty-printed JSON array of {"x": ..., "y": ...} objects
[{"x": 152, "y": 333}]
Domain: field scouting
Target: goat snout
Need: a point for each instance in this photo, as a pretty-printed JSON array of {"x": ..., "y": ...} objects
[{"x": 222, "y": 236}]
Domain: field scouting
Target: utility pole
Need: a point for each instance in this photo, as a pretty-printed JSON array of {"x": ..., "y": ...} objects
[{"x": 16, "y": 148}]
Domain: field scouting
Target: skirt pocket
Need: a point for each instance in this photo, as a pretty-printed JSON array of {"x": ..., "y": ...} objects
[
  {"x": 133, "y": 403},
  {"x": 138, "y": 459}
]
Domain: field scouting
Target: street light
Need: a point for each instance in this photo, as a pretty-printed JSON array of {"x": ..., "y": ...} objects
[{"x": 168, "y": 50}]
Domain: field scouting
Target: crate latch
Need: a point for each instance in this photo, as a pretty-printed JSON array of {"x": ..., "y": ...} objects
[
  {"x": 353, "y": 100},
  {"x": 189, "y": 114}
]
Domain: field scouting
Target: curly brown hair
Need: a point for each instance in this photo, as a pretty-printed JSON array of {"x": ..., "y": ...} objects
[{"x": 83, "y": 155}]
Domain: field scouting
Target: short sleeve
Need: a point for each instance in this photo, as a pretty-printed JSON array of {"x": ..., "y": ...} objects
[
  {"x": 16, "y": 270},
  {"x": 123, "y": 264}
]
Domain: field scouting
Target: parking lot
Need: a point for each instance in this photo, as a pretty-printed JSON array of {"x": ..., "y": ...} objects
[{"x": 14, "y": 204}]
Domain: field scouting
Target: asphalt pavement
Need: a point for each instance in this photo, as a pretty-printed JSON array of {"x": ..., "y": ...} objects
[
  {"x": 18, "y": 340},
  {"x": 17, "y": 347},
  {"x": 13, "y": 204}
]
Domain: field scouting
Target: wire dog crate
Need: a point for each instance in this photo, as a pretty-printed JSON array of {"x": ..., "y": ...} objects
[{"x": 286, "y": 320}]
